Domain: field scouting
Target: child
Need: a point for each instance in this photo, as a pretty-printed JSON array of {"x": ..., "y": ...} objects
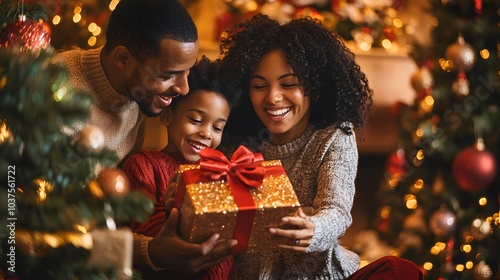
[
  {"x": 193, "y": 122},
  {"x": 303, "y": 96}
]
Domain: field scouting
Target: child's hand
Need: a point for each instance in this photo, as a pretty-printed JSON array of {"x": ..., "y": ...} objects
[
  {"x": 298, "y": 238},
  {"x": 169, "y": 197}
]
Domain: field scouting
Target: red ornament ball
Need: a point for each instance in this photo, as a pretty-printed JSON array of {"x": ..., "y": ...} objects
[
  {"x": 308, "y": 12},
  {"x": 396, "y": 163},
  {"x": 396, "y": 109},
  {"x": 26, "y": 34},
  {"x": 113, "y": 182},
  {"x": 223, "y": 22},
  {"x": 474, "y": 169},
  {"x": 47, "y": 28}
]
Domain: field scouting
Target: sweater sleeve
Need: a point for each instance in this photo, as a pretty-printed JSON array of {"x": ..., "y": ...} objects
[
  {"x": 141, "y": 252},
  {"x": 141, "y": 169},
  {"x": 335, "y": 192},
  {"x": 150, "y": 175}
]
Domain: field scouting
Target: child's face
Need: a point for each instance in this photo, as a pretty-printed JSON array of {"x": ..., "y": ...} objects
[
  {"x": 278, "y": 98},
  {"x": 196, "y": 123}
]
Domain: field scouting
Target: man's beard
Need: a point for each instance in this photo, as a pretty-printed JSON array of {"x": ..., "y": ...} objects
[{"x": 145, "y": 110}]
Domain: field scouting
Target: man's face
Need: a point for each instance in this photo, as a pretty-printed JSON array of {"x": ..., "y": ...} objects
[{"x": 157, "y": 80}]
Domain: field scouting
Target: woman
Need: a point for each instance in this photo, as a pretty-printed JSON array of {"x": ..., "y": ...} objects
[{"x": 303, "y": 96}]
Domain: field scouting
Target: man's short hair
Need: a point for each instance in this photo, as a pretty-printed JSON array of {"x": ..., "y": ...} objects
[{"x": 140, "y": 26}]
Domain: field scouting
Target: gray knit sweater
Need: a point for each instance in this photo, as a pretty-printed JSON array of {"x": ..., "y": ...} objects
[
  {"x": 117, "y": 116},
  {"x": 322, "y": 166}
]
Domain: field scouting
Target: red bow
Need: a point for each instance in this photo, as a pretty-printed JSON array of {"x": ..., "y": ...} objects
[{"x": 245, "y": 167}]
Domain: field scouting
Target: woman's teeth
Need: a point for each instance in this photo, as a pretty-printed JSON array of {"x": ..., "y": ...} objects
[{"x": 278, "y": 112}]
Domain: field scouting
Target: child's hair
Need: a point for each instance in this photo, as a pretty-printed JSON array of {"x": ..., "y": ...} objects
[
  {"x": 209, "y": 75},
  {"x": 325, "y": 67}
]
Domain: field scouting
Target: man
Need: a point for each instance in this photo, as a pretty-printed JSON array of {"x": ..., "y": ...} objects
[{"x": 150, "y": 47}]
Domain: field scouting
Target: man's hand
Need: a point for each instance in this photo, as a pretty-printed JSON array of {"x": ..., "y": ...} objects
[{"x": 168, "y": 250}]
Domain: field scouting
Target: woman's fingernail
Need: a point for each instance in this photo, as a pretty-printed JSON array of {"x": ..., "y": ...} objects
[{"x": 272, "y": 230}]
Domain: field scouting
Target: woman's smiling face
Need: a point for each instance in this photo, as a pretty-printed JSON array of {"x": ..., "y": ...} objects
[{"x": 278, "y": 98}]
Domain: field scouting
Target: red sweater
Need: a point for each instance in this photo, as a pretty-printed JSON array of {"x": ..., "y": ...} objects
[{"x": 150, "y": 172}]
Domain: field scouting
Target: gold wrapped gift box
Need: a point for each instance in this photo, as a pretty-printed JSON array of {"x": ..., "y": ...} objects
[{"x": 208, "y": 207}]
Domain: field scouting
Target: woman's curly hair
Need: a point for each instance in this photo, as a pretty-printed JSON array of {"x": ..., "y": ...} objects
[{"x": 325, "y": 67}]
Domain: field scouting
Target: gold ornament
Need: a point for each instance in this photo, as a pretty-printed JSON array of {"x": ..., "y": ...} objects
[
  {"x": 422, "y": 79},
  {"x": 461, "y": 54},
  {"x": 113, "y": 181},
  {"x": 90, "y": 140}
]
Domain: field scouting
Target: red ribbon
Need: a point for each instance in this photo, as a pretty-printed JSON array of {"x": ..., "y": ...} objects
[{"x": 242, "y": 171}]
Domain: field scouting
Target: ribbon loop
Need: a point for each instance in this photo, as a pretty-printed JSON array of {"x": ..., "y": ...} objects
[{"x": 245, "y": 166}]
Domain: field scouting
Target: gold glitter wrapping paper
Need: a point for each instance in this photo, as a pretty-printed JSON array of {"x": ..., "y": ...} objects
[{"x": 209, "y": 208}]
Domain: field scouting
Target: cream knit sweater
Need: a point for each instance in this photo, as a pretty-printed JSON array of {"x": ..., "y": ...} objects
[
  {"x": 118, "y": 117},
  {"x": 322, "y": 166}
]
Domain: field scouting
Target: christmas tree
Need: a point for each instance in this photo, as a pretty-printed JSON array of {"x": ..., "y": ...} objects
[
  {"x": 65, "y": 205},
  {"x": 439, "y": 200}
]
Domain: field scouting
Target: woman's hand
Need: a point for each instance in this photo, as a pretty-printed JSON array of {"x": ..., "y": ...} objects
[{"x": 298, "y": 238}]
